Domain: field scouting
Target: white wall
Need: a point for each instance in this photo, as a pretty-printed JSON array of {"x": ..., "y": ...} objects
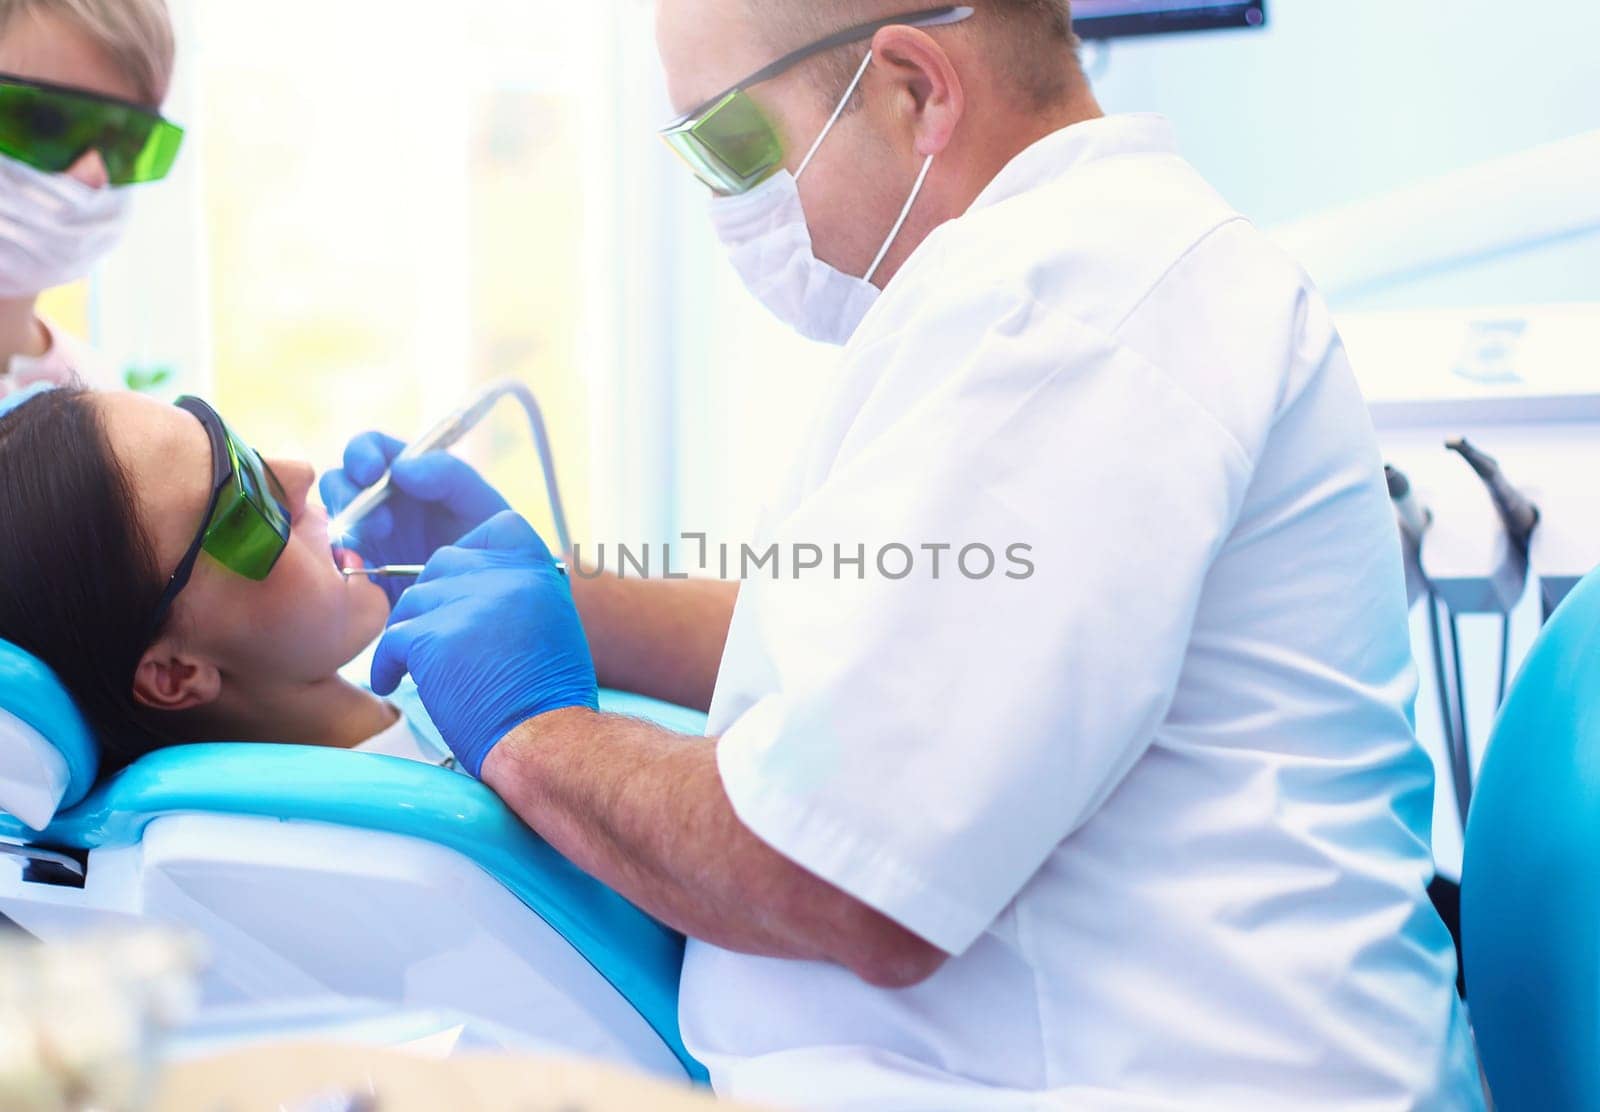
[
  {"x": 1339, "y": 99},
  {"x": 1344, "y": 100}
]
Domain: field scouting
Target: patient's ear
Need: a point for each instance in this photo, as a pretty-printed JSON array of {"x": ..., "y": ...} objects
[{"x": 169, "y": 680}]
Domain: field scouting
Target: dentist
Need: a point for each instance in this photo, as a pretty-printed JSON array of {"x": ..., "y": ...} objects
[{"x": 1146, "y": 828}]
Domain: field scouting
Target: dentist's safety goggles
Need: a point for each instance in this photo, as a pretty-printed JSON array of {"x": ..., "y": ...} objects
[
  {"x": 731, "y": 145},
  {"x": 50, "y": 127},
  {"x": 246, "y": 526}
]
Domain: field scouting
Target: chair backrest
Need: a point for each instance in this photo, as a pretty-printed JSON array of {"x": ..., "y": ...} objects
[
  {"x": 333, "y": 791},
  {"x": 371, "y": 828},
  {"x": 48, "y": 759},
  {"x": 1531, "y": 883}
]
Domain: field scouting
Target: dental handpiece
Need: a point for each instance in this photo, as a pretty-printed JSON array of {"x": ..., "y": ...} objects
[
  {"x": 439, "y": 438},
  {"x": 444, "y": 435},
  {"x": 1414, "y": 517},
  {"x": 1520, "y": 515}
]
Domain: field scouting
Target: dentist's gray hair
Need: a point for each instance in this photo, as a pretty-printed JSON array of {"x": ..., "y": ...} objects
[
  {"x": 1033, "y": 43},
  {"x": 135, "y": 34}
]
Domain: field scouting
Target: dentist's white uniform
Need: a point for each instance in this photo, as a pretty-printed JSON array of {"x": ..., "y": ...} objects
[{"x": 1162, "y": 800}]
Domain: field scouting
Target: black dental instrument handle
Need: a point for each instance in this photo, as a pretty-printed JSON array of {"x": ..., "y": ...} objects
[
  {"x": 1416, "y": 517},
  {"x": 1399, "y": 485},
  {"x": 1520, "y": 515}
]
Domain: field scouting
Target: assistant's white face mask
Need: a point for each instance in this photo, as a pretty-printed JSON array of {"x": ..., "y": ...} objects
[
  {"x": 53, "y": 228},
  {"x": 769, "y": 243}
]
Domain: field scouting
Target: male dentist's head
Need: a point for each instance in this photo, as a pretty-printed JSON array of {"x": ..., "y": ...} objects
[{"x": 969, "y": 90}]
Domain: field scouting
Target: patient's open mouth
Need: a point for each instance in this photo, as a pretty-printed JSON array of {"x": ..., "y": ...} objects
[{"x": 345, "y": 559}]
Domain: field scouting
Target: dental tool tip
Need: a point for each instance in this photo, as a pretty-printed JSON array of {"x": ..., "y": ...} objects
[
  {"x": 408, "y": 571},
  {"x": 391, "y": 571}
]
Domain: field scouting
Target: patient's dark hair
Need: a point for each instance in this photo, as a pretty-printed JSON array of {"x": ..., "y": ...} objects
[{"x": 79, "y": 580}]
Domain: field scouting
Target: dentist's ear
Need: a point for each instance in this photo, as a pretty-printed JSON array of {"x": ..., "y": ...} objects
[
  {"x": 170, "y": 680},
  {"x": 925, "y": 91}
]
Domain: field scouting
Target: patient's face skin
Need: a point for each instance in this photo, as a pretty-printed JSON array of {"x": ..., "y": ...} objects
[{"x": 295, "y": 628}]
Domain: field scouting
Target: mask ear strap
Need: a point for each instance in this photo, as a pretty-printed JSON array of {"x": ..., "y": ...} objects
[
  {"x": 905, "y": 214},
  {"x": 837, "y": 112}
]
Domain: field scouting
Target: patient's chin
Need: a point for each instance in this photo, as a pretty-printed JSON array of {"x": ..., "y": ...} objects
[{"x": 368, "y": 610}]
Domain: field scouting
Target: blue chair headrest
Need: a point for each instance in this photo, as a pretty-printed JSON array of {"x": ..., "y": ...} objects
[
  {"x": 1530, "y": 896},
  {"x": 22, "y": 397},
  {"x": 47, "y": 751}
]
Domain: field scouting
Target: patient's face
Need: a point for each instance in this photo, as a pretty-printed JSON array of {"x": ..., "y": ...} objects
[{"x": 299, "y": 625}]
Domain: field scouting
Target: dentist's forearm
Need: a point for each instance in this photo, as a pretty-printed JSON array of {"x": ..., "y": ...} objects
[
  {"x": 661, "y": 638},
  {"x": 644, "y": 810}
]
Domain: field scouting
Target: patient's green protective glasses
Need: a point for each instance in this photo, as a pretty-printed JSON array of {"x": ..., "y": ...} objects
[
  {"x": 50, "y": 127},
  {"x": 246, "y": 527},
  {"x": 729, "y": 142}
]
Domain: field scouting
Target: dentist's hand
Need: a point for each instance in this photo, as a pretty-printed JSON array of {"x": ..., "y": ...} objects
[
  {"x": 491, "y": 636},
  {"x": 437, "y": 500}
]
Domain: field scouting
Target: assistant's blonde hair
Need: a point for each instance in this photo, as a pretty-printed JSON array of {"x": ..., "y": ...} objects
[{"x": 136, "y": 34}]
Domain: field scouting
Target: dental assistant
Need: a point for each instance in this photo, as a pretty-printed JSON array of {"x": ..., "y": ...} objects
[
  {"x": 81, "y": 85},
  {"x": 1145, "y": 829}
]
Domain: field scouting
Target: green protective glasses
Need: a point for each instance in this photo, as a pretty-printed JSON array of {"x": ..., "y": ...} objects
[
  {"x": 50, "y": 127},
  {"x": 729, "y": 142},
  {"x": 246, "y": 527}
]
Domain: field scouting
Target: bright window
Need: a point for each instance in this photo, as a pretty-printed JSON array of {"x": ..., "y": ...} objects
[
  {"x": 395, "y": 202},
  {"x": 391, "y": 205},
  {"x": 383, "y": 206}
]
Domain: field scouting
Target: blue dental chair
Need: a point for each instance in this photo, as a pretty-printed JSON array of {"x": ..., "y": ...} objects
[
  {"x": 315, "y": 873},
  {"x": 1531, "y": 883}
]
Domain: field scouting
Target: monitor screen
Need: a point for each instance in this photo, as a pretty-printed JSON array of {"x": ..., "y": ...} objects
[{"x": 1109, "y": 19}]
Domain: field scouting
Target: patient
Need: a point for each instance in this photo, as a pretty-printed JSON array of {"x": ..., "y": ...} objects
[{"x": 102, "y": 495}]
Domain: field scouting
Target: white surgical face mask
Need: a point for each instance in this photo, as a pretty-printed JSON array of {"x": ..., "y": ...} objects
[
  {"x": 769, "y": 243},
  {"x": 53, "y": 228}
]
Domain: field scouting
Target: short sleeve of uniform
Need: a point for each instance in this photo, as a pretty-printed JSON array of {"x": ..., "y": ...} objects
[
  {"x": 67, "y": 362},
  {"x": 925, "y": 743}
]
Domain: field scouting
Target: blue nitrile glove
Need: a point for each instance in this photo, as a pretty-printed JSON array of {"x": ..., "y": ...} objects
[
  {"x": 491, "y": 636},
  {"x": 437, "y": 500}
]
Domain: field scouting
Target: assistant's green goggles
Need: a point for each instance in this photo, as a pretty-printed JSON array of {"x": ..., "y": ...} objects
[
  {"x": 246, "y": 527},
  {"x": 729, "y": 142},
  {"x": 50, "y": 127}
]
